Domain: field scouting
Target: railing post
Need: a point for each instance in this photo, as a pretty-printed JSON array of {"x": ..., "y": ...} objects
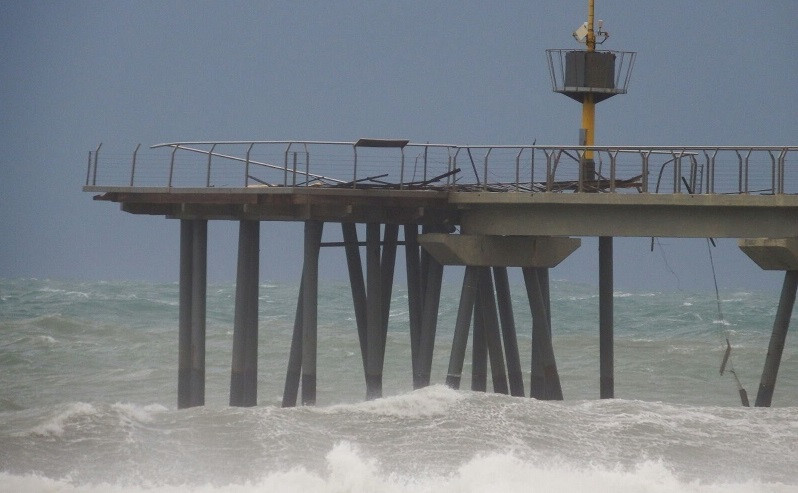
[
  {"x": 133, "y": 167},
  {"x": 613, "y": 163},
  {"x": 88, "y": 170},
  {"x": 518, "y": 170},
  {"x": 172, "y": 165},
  {"x": 246, "y": 166},
  {"x": 485, "y": 171},
  {"x": 208, "y": 174},
  {"x": 354, "y": 176},
  {"x": 782, "y": 158},
  {"x": 402, "y": 170},
  {"x": 294, "y": 180},
  {"x": 426, "y": 148},
  {"x": 307, "y": 165},
  {"x": 285, "y": 166},
  {"x": 549, "y": 177},
  {"x": 96, "y": 155},
  {"x": 644, "y": 172}
]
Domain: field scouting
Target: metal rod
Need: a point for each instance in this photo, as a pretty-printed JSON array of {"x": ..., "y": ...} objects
[
  {"x": 776, "y": 347},
  {"x": 357, "y": 284},
  {"x": 244, "y": 368},
  {"x": 462, "y": 325},
  {"x": 375, "y": 338},
  {"x": 199, "y": 267},
  {"x": 492, "y": 332},
  {"x": 184, "y": 323},
  {"x": 511, "y": 353},
  {"x": 310, "y": 280},
  {"x": 294, "y": 370},
  {"x": 606, "y": 339}
]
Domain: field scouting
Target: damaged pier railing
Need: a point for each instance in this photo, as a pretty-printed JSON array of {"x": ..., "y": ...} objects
[{"x": 403, "y": 165}]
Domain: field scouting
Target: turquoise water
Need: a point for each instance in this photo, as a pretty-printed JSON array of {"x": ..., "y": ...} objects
[{"x": 88, "y": 401}]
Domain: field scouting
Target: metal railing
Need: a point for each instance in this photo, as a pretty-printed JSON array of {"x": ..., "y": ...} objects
[{"x": 402, "y": 165}]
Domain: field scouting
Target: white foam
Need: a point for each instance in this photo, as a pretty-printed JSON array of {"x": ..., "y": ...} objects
[
  {"x": 348, "y": 471},
  {"x": 55, "y": 426},
  {"x": 434, "y": 400},
  {"x": 129, "y": 413}
]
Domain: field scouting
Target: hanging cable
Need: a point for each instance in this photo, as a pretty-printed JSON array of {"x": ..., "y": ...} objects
[{"x": 726, "y": 364}]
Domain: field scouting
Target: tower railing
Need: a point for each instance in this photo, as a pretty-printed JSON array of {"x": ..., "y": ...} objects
[{"x": 403, "y": 165}]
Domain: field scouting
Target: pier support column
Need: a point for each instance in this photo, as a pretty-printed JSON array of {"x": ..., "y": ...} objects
[
  {"x": 777, "y": 339},
  {"x": 545, "y": 380},
  {"x": 606, "y": 343},
  {"x": 199, "y": 269},
  {"x": 429, "y": 322},
  {"x": 310, "y": 296},
  {"x": 414, "y": 294},
  {"x": 479, "y": 349},
  {"x": 375, "y": 337},
  {"x": 492, "y": 332},
  {"x": 294, "y": 372},
  {"x": 244, "y": 372},
  {"x": 462, "y": 326},
  {"x": 509, "y": 336},
  {"x": 357, "y": 284},
  {"x": 184, "y": 337}
]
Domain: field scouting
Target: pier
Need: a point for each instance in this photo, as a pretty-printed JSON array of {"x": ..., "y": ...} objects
[{"x": 485, "y": 207}]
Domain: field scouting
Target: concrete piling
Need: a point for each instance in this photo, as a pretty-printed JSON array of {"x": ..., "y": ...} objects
[
  {"x": 184, "y": 324},
  {"x": 606, "y": 342},
  {"x": 492, "y": 333},
  {"x": 310, "y": 294},
  {"x": 429, "y": 322},
  {"x": 244, "y": 368},
  {"x": 199, "y": 268},
  {"x": 375, "y": 339},
  {"x": 479, "y": 350},
  {"x": 414, "y": 295},
  {"x": 357, "y": 284},
  {"x": 777, "y": 339},
  {"x": 294, "y": 371},
  {"x": 545, "y": 380},
  {"x": 462, "y": 326},
  {"x": 513, "y": 358}
]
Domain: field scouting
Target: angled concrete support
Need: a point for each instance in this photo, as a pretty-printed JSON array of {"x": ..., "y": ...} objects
[
  {"x": 514, "y": 372},
  {"x": 545, "y": 380},
  {"x": 294, "y": 371},
  {"x": 462, "y": 326},
  {"x": 492, "y": 332},
  {"x": 357, "y": 284},
  {"x": 414, "y": 294},
  {"x": 479, "y": 348},
  {"x": 429, "y": 323},
  {"x": 777, "y": 339}
]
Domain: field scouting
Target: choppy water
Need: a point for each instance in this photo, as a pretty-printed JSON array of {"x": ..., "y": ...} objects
[{"x": 88, "y": 400}]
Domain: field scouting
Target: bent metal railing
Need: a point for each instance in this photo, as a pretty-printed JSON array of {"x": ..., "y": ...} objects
[{"x": 402, "y": 165}]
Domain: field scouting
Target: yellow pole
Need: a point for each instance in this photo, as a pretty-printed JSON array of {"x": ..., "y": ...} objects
[{"x": 588, "y": 104}]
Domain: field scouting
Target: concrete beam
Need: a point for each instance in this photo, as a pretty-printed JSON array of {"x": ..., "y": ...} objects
[
  {"x": 501, "y": 251},
  {"x": 772, "y": 253}
]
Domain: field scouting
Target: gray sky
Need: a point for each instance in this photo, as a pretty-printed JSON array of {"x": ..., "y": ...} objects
[{"x": 74, "y": 74}]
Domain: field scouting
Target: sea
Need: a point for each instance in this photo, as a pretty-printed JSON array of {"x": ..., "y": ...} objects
[{"x": 88, "y": 399}]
